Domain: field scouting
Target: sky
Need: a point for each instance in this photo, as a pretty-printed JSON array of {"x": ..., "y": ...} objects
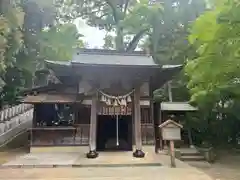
[{"x": 93, "y": 36}]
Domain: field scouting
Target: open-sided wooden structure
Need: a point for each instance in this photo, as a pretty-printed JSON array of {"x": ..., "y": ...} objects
[
  {"x": 91, "y": 75},
  {"x": 178, "y": 110}
]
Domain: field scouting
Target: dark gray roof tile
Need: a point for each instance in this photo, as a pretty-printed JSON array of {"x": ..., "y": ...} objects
[{"x": 112, "y": 57}]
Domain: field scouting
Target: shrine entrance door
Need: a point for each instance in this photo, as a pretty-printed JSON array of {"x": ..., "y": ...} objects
[{"x": 114, "y": 132}]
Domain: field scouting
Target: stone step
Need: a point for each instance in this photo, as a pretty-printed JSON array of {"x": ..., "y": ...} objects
[
  {"x": 192, "y": 158},
  {"x": 199, "y": 164},
  {"x": 190, "y": 154},
  {"x": 60, "y": 165}
]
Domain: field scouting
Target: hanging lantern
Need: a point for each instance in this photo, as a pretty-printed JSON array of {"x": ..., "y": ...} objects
[
  {"x": 129, "y": 99},
  {"x": 115, "y": 103}
]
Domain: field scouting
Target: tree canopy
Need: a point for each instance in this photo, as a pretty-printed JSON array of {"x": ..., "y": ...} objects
[
  {"x": 129, "y": 18},
  {"x": 214, "y": 74},
  {"x": 30, "y": 33}
]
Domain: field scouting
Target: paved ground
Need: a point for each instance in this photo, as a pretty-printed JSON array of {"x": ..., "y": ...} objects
[
  {"x": 164, "y": 172},
  {"x": 9, "y": 155},
  {"x": 225, "y": 168},
  {"x": 79, "y": 159},
  {"x": 124, "y": 173}
]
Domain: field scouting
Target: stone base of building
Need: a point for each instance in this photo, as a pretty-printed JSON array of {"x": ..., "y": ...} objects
[
  {"x": 92, "y": 154},
  {"x": 138, "y": 154}
]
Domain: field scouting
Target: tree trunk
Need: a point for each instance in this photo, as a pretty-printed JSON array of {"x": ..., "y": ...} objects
[{"x": 119, "y": 40}]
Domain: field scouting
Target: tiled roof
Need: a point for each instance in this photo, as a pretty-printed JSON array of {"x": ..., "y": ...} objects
[
  {"x": 112, "y": 57},
  {"x": 109, "y": 58}
]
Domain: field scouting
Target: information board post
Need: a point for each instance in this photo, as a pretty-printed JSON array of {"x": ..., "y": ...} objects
[
  {"x": 171, "y": 131},
  {"x": 172, "y": 154}
]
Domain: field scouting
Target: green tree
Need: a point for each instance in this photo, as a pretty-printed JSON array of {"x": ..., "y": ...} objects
[
  {"x": 25, "y": 43},
  {"x": 168, "y": 42},
  {"x": 11, "y": 43},
  {"x": 214, "y": 73},
  {"x": 59, "y": 41},
  {"x": 124, "y": 18},
  {"x": 108, "y": 42}
]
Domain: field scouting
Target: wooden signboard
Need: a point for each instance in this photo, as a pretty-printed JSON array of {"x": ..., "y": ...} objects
[{"x": 171, "y": 131}]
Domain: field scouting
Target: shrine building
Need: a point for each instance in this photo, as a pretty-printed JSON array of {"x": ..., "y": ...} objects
[{"x": 104, "y": 100}]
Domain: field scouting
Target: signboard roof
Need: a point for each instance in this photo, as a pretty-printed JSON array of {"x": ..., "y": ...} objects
[{"x": 170, "y": 122}]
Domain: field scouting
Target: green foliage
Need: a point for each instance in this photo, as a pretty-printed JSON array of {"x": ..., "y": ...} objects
[
  {"x": 214, "y": 73},
  {"x": 59, "y": 41},
  {"x": 141, "y": 16},
  {"x": 11, "y": 43},
  {"x": 108, "y": 42},
  {"x": 25, "y": 43},
  {"x": 168, "y": 42},
  {"x": 124, "y": 18},
  {"x": 10, "y": 35}
]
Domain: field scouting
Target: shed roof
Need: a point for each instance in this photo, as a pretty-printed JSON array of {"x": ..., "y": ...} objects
[
  {"x": 177, "y": 106},
  {"x": 50, "y": 98},
  {"x": 170, "y": 122}
]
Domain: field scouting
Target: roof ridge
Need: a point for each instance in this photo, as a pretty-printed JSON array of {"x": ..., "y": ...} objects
[{"x": 109, "y": 52}]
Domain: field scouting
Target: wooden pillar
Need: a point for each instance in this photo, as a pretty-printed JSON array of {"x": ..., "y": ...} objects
[
  {"x": 160, "y": 122},
  {"x": 35, "y": 118},
  {"x": 133, "y": 120},
  {"x": 152, "y": 119},
  {"x": 93, "y": 128},
  {"x": 156, "y": 117},
  {"x": 137, "y": 124}
]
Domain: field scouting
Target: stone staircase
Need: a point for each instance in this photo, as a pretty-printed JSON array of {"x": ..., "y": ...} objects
[{"x": 191, "y": 155}]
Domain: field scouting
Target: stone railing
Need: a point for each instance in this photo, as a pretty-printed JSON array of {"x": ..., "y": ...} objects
[
  {"x": 8, "y": 113},
  {"x": 14, "y": 120}
]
